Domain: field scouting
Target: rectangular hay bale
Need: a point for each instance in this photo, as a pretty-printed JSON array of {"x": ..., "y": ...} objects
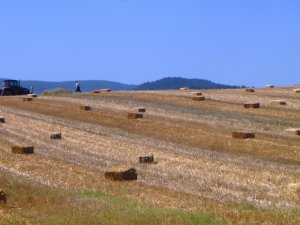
[
  {"x": 197, "y": 93},
  {"x": 121, "y": 173},
  {"x": 132, "y": 115},
  {"x": 146, "y": 159},
  {"x": 269, "y": 86},
  {"x": 198, "y": 98},
  {"x": 278, "y": 102},
  {"x": 105, "y": 90},
  {"x": 22, "y": 150},
  {"x": 55, "y": 135},
  {"x": 27, "y": 99},
  {"x": 252, "y": 105},
  {"x": 242, "y": 135},
  {"x": 141, "y": 109},
  {"x": 249, "y": 90},
  {"x": 85, "y": 107},
  {"x": 184, "y": 89},
  {"x": 2, "y": 197}
]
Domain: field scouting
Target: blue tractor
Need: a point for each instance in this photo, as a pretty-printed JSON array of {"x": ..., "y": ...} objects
[{"x": 13, "y": 87}]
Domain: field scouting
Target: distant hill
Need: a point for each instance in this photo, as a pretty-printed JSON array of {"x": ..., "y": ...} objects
[
  {"x": 178, "y": 82},
  {"x": 90, "y": 85},
  {"x": 86, "y": 85}
]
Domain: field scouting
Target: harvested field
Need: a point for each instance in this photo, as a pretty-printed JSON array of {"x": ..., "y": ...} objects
[{"x": 201, "y": 167}]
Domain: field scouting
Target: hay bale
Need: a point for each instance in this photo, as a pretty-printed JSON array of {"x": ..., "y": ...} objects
[
  {"x": 2, "y": 197},
  {"x": 269, "y": 86},
  {"x": 27, "y": 99},
  {"x": 146, "y": 159},
  {"x": 278, "y": 102},
  {"x": 121, "y": 173},
  {"x": 198, "y": 98},
  {"x": 197, "y": 93},
  {"x": 32, "y": 95},
  {"x": 2, "y": 120},
  {"x": 55, "y": 135},
  {"x": 85, "y": 107},
  {"x": 22, "y": 150},
  {"x": 105, "y": 90},
  {"x": 132, "y": 115},
  {"x": 184, "y": 89},
  {"x": 249, "y": 90},
  {"x": 296, "y": 90},
  {"x": 141, "y": 109},
  {"x": 242, "y": 135},
  {"x": 251, "y": 105},
  {"x": 295, "y": 131}
]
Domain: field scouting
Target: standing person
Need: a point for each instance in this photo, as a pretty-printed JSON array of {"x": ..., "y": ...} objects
[{"x": 77, "y": 87}]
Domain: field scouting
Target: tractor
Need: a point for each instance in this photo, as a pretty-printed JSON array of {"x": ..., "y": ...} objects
[{"x": 13, "y": 87}]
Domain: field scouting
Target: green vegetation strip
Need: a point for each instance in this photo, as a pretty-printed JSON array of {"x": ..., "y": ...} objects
[{"x": 125, "y": 212}]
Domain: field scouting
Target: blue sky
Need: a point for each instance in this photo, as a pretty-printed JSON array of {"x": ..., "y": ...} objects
[{"x": 251, "y": 42}]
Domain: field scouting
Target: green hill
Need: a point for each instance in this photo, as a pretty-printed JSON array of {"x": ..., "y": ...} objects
[{"x": 178, "y": 82}]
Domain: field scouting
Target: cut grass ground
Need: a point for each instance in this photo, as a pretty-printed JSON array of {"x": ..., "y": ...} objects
[
  {"x": 30, "y": 203},
  {"x": 174, "y": 130},
  {"x": 202, "y": 172}
]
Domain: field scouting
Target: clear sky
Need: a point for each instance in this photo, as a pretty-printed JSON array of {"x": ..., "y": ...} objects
[{"x": 251, "y": 42}]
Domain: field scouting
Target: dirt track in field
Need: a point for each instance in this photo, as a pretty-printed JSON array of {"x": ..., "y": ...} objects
[{"x": 198, "y": 161}]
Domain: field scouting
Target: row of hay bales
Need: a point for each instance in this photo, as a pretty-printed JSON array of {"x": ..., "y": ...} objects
[
  {"x": 124, "y": 173},
  {"x": 246, "y": 135},
  {"x": 26, "y": 150},
  {"x": 21, "y": 149},
  {"x": 296, "y": 90},
  {"x": 242, "y": 134},
  {"x": 139, "y": 114},
  {"x": 116, "y": 173}
]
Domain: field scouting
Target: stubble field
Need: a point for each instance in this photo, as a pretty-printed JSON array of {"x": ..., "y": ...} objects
[{"x": 202, "y": 174}]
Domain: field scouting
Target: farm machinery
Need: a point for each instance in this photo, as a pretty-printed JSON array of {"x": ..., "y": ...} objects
[{"x": 13, "y": 87}]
